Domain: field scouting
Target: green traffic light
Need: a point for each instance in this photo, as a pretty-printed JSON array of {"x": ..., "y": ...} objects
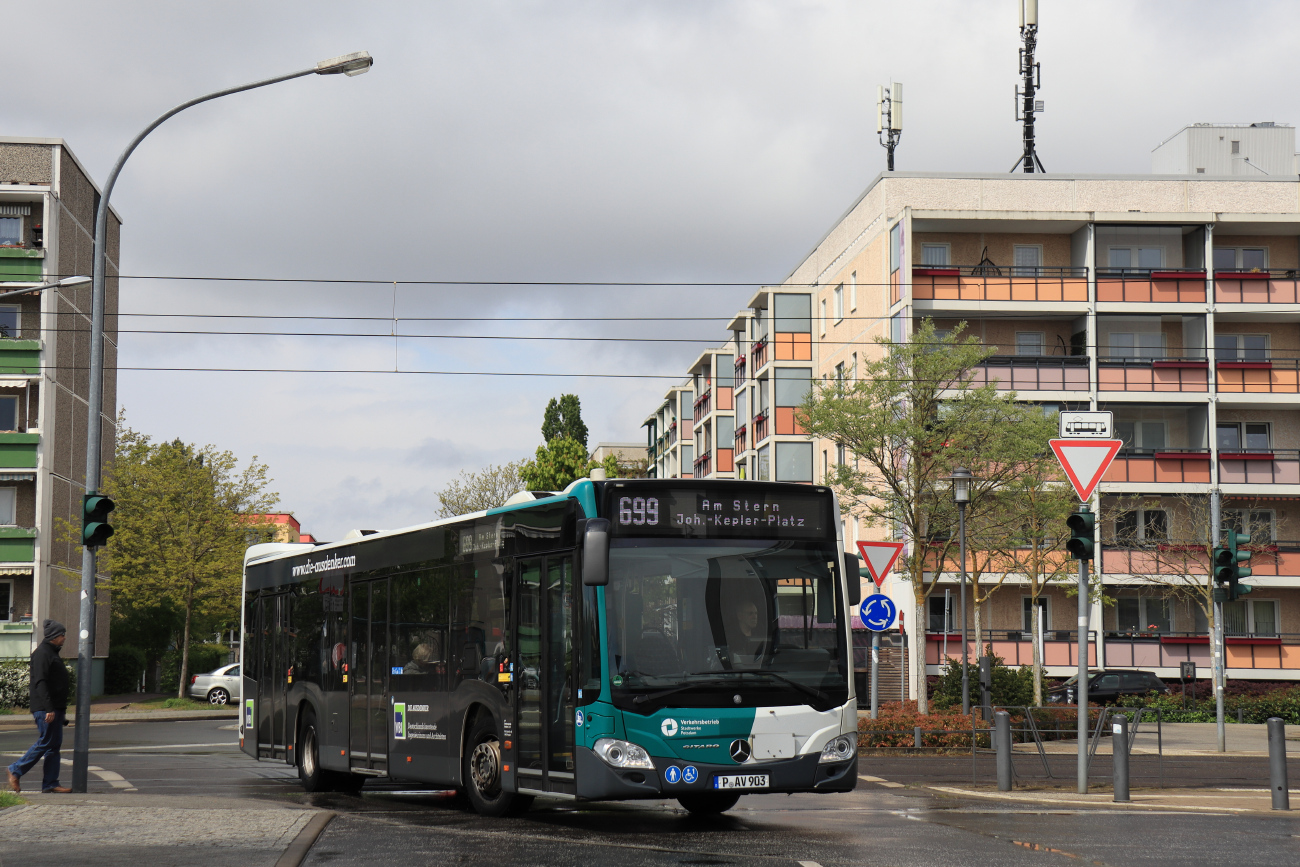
[
  {"x": 1083, "y": 526},
  {"x": 95, "y": 529}
]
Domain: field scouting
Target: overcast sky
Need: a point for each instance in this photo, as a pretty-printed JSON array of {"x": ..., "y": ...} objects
[{"x": 694, "y": 141}]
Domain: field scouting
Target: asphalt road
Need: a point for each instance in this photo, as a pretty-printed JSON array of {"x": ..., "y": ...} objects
[{"x": 882, "y": 823}]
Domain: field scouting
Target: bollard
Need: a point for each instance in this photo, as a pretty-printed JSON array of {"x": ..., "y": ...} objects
[
  {"x": 1119, "y": 750},
  {"x": 916, "y": 737},
  {"x": 1002, "y": 743},
  {"x": 1277, "y": 764}
]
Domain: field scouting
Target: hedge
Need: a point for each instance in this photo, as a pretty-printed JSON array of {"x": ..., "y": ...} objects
[
  {"x": 15, "y": 683},
  {"x": 1283, "y": 703}
]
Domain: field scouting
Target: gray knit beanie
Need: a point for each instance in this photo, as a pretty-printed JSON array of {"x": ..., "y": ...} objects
[{"x": 53, "y": 629}]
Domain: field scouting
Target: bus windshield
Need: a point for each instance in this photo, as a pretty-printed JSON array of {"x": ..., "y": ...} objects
[{"x": 729, "y": 622}]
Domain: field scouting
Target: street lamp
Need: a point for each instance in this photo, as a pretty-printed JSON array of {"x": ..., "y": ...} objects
[
  {"x": 65, "y": 283},
  {"x": 961, "y": 479},
  {"x": 348, "y": 64}
]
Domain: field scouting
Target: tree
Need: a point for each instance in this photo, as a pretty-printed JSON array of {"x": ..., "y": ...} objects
[
  {"x": 181, "y": 530},
  {"x": 564, "y": 419},
  {"x": 488, "y": 488},
  {"x": 556, "y": 465},
  {"x": 909, "y": 420}
]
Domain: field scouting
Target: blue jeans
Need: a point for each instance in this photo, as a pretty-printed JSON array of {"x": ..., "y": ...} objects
[{"x": 47, "y": 747}]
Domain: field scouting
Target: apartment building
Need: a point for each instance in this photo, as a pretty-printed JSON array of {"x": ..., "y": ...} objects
[
  {"x": 47, "y": 215},
  {"x": 670, "y": 445}
]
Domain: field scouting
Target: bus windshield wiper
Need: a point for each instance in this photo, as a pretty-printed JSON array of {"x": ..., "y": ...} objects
[
  {"x": 807, "y": 690},
  {"x": 664, "y": 693}
]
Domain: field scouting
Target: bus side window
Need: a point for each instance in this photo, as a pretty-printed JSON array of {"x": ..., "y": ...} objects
[{"x": 589, "y": 650}]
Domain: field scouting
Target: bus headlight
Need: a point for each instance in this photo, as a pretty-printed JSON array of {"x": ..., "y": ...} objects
[
  {"x": 622, "y": 754},
  {"x": 840, "y": 749}
]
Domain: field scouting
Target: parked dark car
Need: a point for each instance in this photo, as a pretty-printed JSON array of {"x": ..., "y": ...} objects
[{"x": 1108, "y": 686}]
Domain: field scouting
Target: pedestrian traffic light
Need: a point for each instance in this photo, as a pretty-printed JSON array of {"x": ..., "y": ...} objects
[
  {"x": 94, "y": 520},
  {"x": 1083, "y": 530},
  {"x": 1228, "y": 568}
]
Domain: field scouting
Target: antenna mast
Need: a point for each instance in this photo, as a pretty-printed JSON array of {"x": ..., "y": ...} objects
[
  {"x": 889, "y": 117},
  {"x": 1026, "y": 105}
]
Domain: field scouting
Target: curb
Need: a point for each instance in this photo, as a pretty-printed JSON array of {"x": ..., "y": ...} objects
[
  {"x": 301, "y": 845},
  {"x": 1044, "y": 798},
  {"x": 22, "y": 721}
]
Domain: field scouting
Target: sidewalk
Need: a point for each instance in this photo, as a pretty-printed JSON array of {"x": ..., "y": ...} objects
[
  {"x": 1218, "y": 800},
  {"x": 1188, "y": 739},
  {"x": 131, "y": 829},
  {"x": 24, "y": 720}
]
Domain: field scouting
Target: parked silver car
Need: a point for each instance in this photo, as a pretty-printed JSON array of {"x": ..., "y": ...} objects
[{"x": 217, "y": 687}]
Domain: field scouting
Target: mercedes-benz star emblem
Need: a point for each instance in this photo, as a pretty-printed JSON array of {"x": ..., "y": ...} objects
[{"x": 740, "y": 750}]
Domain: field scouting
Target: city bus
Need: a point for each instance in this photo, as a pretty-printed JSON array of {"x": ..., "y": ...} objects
[{"x": 624, "y": 639}]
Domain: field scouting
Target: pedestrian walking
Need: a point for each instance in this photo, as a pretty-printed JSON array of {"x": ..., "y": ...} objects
[{"x": 49, "y": 706}]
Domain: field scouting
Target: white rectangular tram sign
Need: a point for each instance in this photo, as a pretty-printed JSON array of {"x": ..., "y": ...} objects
[{"x": 1087, "y": 425}]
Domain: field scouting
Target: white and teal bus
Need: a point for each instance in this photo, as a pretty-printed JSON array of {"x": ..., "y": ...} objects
[{"x": 624, "y": 639}]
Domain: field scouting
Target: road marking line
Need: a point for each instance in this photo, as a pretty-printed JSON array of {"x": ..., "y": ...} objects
[
  {"x": 113, "y": 778},
  {"x": 809, "y": 864}
]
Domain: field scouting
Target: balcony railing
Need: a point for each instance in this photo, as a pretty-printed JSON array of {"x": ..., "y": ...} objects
[
  {"x": 1259, "y": 467},
  {"x": 758, "y": 354},
  {"x": 1168, "y": 649},
  {"x": 1167, "y": 373},
  {"x": 1172, "y": 465},
  {"x": 1266, "y": 376},
  {"x": 1033, "y": 372},
  {"x": 1162, "y": 285},
  {"x": 991, "y": 283},
  {"x": 1280, "y": 558},
  {"x": 740, "y": 438},
  {"x": 703, "y": 405},
  {"x": 1257, "y": 287},
  {"x": 760, "y": 427},
  {"x": 1060, "y": 646},
  {"x": 703, "y": 465},
  {"x": 740, "y": 370}
]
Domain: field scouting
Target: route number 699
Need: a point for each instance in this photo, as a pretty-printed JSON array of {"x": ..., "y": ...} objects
[{"x": 638, "y": 510}]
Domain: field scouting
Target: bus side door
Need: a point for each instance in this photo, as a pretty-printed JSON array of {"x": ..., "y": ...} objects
[{"x": 544, "y": 640}]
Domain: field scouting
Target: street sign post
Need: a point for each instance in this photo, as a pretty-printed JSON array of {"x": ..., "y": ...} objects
[
  {"x": 1085, "y": 461},
  {"x": 877, "y": 612},
  {"x": 879, "y": 558}
]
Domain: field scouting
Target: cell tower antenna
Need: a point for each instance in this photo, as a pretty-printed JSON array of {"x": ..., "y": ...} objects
[
  {"x": 889, "y": 117},
  {"x": 1026, "y": 105}
]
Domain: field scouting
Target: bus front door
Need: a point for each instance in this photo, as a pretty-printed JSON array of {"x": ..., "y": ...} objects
[{"x": 544, "y": 674}]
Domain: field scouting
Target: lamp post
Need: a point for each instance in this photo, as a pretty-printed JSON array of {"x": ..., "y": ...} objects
[
  {"x": 961, "y": 481},
  {"x": 65, "y": 283},
  {"x": 348, "y": 64}
]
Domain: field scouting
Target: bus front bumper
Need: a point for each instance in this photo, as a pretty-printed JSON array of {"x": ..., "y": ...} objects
[{"x": 597, "y": 781}]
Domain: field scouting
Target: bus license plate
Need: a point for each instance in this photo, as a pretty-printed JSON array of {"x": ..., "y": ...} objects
[{"x": 740, "y": 781}]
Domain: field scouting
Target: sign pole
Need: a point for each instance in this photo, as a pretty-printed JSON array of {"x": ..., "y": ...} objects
[
  {"x": 1081, "y": 690},
  {"x": 875, "y": 674}
]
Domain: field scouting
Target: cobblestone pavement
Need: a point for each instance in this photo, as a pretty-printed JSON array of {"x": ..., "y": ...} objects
[{"x": 58, "y": 826}]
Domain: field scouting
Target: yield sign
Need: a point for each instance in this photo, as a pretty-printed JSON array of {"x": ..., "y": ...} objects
[
  {"x": 1085, "y": 461},
  {"x": 880, "y": 558}
]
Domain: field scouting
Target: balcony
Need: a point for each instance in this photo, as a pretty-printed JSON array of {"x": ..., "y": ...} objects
[
  {"x": 989, "y": 283},
  {"x": 1165, "y": 286},
  {"x": 760, "y": 427},
  {"x": 19, "y": 357},
  {"x": 1060, "y": 647},
  {"x": 703, "y": 406},
  {"x": 1171, "y": 466},
  {"x": 1257, "y": 287},
  {"x": 758, "y": 354},
  {"x": 17, "y": 544},
  {"x": 1167, "y": 374},
  {"x": 1271, "y": 376},
  {"x": 703, "y": 466},
  {"x": 670, "y": 438},
  {"x": 1273, "y": 467},
  {"x": 1281, "y": 558},
  {"x": 1033, "y": 373},
  {"x": 1167, "y": 650},
  {"x": 740, "y": 438},
  {"x": 740, "y": 370},
  {"x": 21, "y": 265}
]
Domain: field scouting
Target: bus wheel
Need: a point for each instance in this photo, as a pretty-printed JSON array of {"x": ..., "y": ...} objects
[
  {"x": 314, "y": 778},
  {"x": 482, "y": 773},
  {"x": 708, "y": 803}
]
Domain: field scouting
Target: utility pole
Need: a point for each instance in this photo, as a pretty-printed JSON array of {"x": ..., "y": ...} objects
[
  {"x": 889, "y": 117},
  {"x": 1032, "y": 75}
]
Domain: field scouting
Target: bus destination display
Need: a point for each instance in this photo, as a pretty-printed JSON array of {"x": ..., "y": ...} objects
[{"x": 719, "y": 514}]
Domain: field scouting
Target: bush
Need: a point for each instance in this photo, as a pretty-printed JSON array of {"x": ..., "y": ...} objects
[
  {"x": 16, "y": 682},
  {"x": 895, "y": 721},
  {"x": 1255, "y": 706},
  {"x": 203, "y": 658},
  {"x": 123, "y": 670},
  {"x": 1012, "y": 687}
]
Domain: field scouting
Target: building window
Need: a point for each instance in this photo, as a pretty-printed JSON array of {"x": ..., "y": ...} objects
[
  {"x": 765, "y": 464},
  {"x": 794, "y": 462},
  {"x": 1241, "y": 347},
  {"x": 1142, "y": 614},
  {"x": 1027, "y": 613},
  {"x": 853, "y": 368},
  {"x": 11, "y": 231},
  {"x": 821, "y": 318},
  {"x": 935, "y": 255},
  {"x": 1030, "y": 343},
  {"x": 1141, "y": 526},
  {"x": 1250, "y": 617},
  {"x": 8, "y": 413},
  {"x": 791, "y": 385},
  {"x": 895, "y": 247},
  {"x": 1258, "y": 524},
  {"x": 8, "y": 507},
  {"x": 1028, "y": 259},
  {"x": 841, "y": 454},
  {"x": 1240, "y": 258},
  {"x": 1137, "y": 346},
  {"x": 839, "y": 302},
  {"x": 9, "y": 323},
  {"x": 1141, "y": 435},
  {"x": 853, "y": 291},
  {"x": 6, "y": 600},
  {"x": 1244, "y": 436},
  {"x": 1141, "y": 258},
  {"x": 1236, "y": 147},
  {"x": 940, "y": 611},
  {"x": 826, "y": 466}
]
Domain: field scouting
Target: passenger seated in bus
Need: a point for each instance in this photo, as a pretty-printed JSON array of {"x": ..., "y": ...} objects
[{"x": 421, "y": 660}]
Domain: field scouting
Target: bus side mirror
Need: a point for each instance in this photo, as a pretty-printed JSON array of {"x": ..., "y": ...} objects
[
  {"x": 595, "y": 553},
  {"x": 852, "y": 576}
]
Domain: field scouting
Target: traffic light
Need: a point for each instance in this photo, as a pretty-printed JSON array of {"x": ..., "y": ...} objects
[
  {"x": 94, "y": 520},
  {"x": 1228, "y": 568},
  {"x": 1083, "y": 533}
]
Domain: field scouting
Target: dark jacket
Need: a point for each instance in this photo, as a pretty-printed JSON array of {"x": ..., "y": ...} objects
[{"x": 49, "y": 690}]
